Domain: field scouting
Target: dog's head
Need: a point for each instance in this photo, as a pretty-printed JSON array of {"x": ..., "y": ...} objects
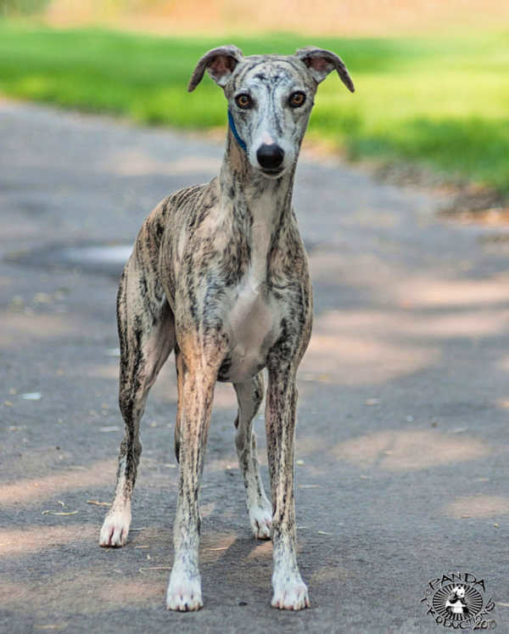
[{"x": 269, "y": 99}]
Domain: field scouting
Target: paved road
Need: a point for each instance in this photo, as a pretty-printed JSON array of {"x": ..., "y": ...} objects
[{"x": 402, "y": 451}]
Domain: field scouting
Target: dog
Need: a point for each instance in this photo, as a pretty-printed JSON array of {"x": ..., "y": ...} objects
[{"x": 219, "y": 274}]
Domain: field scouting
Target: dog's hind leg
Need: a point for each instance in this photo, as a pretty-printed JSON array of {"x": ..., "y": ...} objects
[
  {"x": 147, "y": 336},
  {"x": 249, "y": 396}
]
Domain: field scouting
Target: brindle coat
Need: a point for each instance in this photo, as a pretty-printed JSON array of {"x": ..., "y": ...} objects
[{"x": 219, "y": 275}]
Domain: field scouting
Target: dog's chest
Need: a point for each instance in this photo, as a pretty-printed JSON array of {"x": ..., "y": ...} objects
[
  {"x": 253, "y": 316},
  {"x": 252, "y": 324}
]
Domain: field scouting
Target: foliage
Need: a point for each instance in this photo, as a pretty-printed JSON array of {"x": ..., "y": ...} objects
[
  {"x": 439, "y": 101},
  {"x": 22, "y": 7}
]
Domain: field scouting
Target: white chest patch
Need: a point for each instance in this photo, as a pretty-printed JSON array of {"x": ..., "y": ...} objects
[
  {"x": 253, "y": 320},
  {"x": 252, "y": 323}
]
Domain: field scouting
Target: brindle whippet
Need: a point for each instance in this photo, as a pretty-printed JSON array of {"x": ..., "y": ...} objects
[{"x": 220, "y": 275}]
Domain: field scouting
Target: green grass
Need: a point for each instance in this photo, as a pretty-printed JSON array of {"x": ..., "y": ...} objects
[{"x": 442, "y": 102}]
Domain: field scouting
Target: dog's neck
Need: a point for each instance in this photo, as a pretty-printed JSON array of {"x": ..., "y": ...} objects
[
  {"x": 259, "y": 208},
  {"x": 243, "y": 187}
]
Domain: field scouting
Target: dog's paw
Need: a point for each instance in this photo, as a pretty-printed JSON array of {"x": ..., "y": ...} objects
[
  {"x": 184, "y": 593},
  {"x": 260, "y": 518},
  {"x": 290, "y": 595},
  {"x": 115, "y": 529}
]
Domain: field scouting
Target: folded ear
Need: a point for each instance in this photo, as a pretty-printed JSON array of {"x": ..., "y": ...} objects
[
  {"x": 321, "y": 62},
  {"x": 219, "y": 62}
]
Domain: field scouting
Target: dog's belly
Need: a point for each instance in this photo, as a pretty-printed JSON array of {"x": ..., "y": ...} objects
[{"x": 253, "y": 326}]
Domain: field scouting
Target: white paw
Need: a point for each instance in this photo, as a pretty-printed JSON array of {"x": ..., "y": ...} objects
[
  {"x": 115, "y": 529},
  {"x": 184, "y": 592},
  {"x": 261, "y": 521},
  {"x": 290, "y": 595}
]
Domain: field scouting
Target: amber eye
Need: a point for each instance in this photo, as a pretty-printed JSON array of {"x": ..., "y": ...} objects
[
  {"x": 297, "y": 99},
  {"x": 243, "y": 101}
]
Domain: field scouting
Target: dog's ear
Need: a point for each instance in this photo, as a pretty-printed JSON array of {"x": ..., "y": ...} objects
[
  {"x": 321, "y": 62},
  {"x": 219, "y": 62}
]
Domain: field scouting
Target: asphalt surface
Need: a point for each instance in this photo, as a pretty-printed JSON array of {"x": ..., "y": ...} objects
[{"x": 402, "y": 441}]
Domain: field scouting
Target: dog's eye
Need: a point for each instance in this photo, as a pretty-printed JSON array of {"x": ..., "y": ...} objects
[
  {"x": 243, "y": 101},
  {"x": 297, "y": 99}
]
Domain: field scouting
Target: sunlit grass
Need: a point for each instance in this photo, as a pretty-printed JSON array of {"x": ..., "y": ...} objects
[{"x": 439, "y": 101}]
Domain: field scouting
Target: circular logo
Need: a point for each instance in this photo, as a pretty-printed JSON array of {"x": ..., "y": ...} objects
[{"x": 457, "y": 601}]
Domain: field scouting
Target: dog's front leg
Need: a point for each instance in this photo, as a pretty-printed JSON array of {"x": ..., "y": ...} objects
[
  {"x": 290, "y": 592},
  {"x": 184, "y": 589}
]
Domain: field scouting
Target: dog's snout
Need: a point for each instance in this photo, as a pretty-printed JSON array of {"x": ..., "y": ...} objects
[{"x": 270, "y": 156}]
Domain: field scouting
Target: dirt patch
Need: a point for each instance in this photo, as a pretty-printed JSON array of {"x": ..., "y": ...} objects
[
  {"x": 477, "y": 205},
  {"x": 467, "y": 203}
]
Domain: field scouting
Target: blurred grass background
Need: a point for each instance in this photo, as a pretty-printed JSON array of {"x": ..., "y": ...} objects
[{"x": 437, "y": 99}]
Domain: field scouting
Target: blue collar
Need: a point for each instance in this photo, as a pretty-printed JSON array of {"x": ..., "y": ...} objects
[{"x": 231, "y": 123}]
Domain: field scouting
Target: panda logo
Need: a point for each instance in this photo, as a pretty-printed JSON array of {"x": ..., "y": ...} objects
[{"x": 456, "y": 603}]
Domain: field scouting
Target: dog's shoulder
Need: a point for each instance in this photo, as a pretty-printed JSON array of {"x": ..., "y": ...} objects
[
  {"x": 189, "y": 200},
  {"x": 185, "y": 206},
  {"x": 185, "y": 210}
]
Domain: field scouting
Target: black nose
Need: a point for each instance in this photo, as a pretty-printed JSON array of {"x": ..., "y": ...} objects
[{"x": 270, "y": 156}]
